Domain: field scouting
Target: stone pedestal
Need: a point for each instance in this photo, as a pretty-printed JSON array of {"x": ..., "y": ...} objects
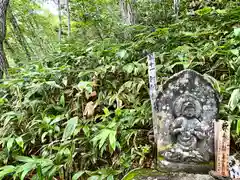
[
  {"x": 179, "y": 177},
  {"x": 149, "y": 174}
]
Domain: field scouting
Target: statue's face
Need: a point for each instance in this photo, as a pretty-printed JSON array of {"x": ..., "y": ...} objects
[{"x": 189, "y": 110}]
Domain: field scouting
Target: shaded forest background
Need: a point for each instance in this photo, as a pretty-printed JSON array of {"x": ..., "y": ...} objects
[{"x": 75, "y": 101}]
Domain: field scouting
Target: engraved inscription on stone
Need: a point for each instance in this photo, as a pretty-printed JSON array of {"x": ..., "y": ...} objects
[{"x": 186, "y": 107}]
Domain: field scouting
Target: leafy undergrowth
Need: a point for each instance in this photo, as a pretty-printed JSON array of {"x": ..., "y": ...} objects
[
  {"x": 55, "y": 123},
  {"x": 85, "y": 112}
]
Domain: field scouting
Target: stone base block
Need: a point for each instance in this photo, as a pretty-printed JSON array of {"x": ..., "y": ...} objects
[
  {"x": 179, "y": 176},
  {"x": 150, "y": 174}
]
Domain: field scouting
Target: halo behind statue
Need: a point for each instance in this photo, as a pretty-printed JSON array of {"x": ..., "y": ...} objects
[{"x": 181, "y": 100}]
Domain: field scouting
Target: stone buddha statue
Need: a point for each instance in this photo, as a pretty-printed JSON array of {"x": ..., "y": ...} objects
[
  {"x": 186, "y": 108},
  {"x": 186, "y": 131}
]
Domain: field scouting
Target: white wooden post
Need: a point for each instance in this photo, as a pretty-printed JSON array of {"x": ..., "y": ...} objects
[{"x": 152, "y": 88}]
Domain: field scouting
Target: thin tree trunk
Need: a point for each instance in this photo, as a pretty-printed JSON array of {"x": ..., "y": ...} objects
[
  {"x": 69, "y": 17},
  {"x": 122, "y": 9},
  {"x": 60, "y": 21},
  {"x": 20, "y": 38},
  {"x": 3, "y": 60},
  {"x": 127, "y": 12},
  {"x": 130, "y": 13},
  {"x": 176, "y": 4}
]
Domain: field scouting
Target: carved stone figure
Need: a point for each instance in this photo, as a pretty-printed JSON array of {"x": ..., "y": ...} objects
[{"x": 186, "y": 108}]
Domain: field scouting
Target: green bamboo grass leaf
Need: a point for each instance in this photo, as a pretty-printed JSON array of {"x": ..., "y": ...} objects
[
  {"x": 238, "y": 127},
  {"x": 103, "y": 137},
  {"x": 26, "y": 169},
  {"x": 39, "y": 172},
  {"x": 25, "y": 159},
  {"x": 77, "y": 175},
  {"x": 62, "y": 100},
  {"x": 19, "y": 141},
  {"x": 236, "y": 32},
  {"x": 234, "y": 99},
  {"x": 112, "y": 139},
  {"x": 6, "y": 170},
  {"x": 129, "y": 68},
  {"x": 70, "y": 128},
  {"x": 10, "y": 144},
  {"x": 204, "y": 11}
]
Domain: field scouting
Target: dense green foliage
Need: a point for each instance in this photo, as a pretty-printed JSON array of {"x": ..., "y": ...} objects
[{"x": 46, "y": 132}]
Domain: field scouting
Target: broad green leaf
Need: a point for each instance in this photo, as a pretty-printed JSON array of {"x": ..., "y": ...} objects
[
  {"x": 43, "y": 162},
  {"x": 238, "y": 127},
  {"x": 53, "y": 170},
  {"x": 122, "y": 53},
  {"x": 89, "y": 89},
  {"x": 62, "y": 100},
  {"x": 221, "y": 11},
  {"x": 71, "y": 126},
  {"x": 9, "y": 167},
  {"x": 86, "y": 131},
  {"x": 57, "y": 119},
  {"x": 66, "y": 152},
  {"x": 118, "y": 112},
  {"x": 47, "y": 169},
  {"x": 112, "y": 139},
  {"x": 112, "y": 125},
  {"x": 25, "y": 159},
  {"x": 65, "y": 81},
  {"x": 77, "y": 130},
  {"x": 103, "y": 137},
  {"x": 129, "y": 68},
  {"x": 39, "y": 172},
  {"x": 26, "y": 168},
  {"x": 5, "y": 170},
  {"x": 2, "y": 101},
  {"x": 19, "y": 141},
  {"x": 204, "y": 11},
  {"x": 78, "y": 175},
  {"x": 10, "y": 144},
  {"x": 43, "y": 136},
  {"x": 8, "y": 118},
  {"x": 106, "y": 111},
  {"x": 234, "y": 99},
  {"x": 236, "y": 32},
  {"x": 140, "y": 85},
  {"x": 126, "y": 86},
  {"x": 110, "y": 177},
  {"x": 103, "y": 176},
  {"x": 85, "y": 85},
  {"x": 95, "y": 177},
  {"x": 235, "y": 52}
]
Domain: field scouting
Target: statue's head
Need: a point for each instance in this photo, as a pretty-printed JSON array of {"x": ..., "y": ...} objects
[
  {"x": 187, "y": 106},
  {"x": 188, "y": 110}
]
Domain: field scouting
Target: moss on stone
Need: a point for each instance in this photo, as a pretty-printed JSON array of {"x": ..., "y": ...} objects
[
  {"x": 151, "y": 174},
  {"x": 135, "y": 174}
]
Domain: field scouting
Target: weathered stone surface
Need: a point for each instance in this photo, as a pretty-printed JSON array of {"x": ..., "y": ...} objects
[
  {"x": 180, "y": 176},
  {"x": 150, "y": 174},
  {"x": 186, "y": 107}
]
